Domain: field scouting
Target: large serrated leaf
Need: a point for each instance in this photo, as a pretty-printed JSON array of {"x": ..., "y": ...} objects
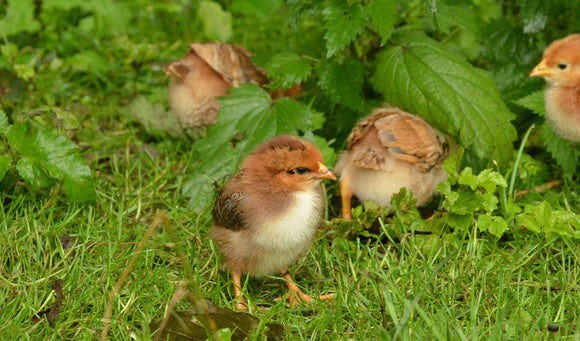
[
  {"x": 534, "y": 13},
  {"x": 19, "y": 18},
  {"x": 49, "y": 155},
  {"x": 217, "y": 23},
  {"x": 343, "y": 22},
  {"x": 507, "y": 43},
  {"x": 421, "y": 76},
  {"x": 343, "y": 82},
  {"x": 443, "y": 17},
  {"x": 33, "y": 173},
  {"x": 246, "y": 118},
  {"x": 533, "y": 102},
  {"x": 288, "y": 69},
  {"x": 384, "y": 17}
]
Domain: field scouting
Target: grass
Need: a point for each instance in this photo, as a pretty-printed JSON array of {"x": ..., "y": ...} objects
[{"x": 458, "y": 287}]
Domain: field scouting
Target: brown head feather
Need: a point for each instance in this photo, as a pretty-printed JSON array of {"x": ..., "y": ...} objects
[{"x": 566, "y": 50}]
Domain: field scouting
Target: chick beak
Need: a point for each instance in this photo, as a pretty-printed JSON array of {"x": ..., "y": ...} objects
[
  {"x": 324, "y": 173},
  {"x": 541, "y": 70}
]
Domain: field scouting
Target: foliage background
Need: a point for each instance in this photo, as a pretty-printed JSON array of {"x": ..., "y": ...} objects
[{"x": 90, "y": 151}]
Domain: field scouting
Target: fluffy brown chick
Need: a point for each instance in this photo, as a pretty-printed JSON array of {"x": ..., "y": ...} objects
[
  {"x": 387, "y": 151},
  {"x": 206, "y": 72},
  {"x": 267, "y": 214},
  {"x": 560, "y": 67}
]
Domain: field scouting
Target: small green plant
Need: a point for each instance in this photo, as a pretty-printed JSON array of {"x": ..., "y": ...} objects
[{"x": 43, "y": 159}]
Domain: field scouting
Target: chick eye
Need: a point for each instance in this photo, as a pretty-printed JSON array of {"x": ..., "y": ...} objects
[
  {"x": 562, "y": 66},
  {"x": 299, "y": 171}
]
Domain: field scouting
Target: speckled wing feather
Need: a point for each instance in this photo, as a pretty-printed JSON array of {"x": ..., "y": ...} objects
[
  {"x": 226, "y": 212},
  {"x": 369, "y": 157},
  {"x": 409, "y": 138},
  {"x": 178, "y": 69},
  {"x": 233, "y": 62},
  {"x": 399, "y": 135}
]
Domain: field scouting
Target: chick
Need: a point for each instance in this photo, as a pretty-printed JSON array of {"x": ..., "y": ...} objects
[
  {"x": 387, "y": 151},
  {"x": 206, "y": 72},
  {"x": 267, "y": 214},
  {"x": 560, "y": 67}
]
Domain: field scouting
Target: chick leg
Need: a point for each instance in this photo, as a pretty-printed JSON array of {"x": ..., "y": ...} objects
[
  {"x": 346, "y": 196},
  {"x": 296, "y": 295},
  {"x": 237, "y": 279}
]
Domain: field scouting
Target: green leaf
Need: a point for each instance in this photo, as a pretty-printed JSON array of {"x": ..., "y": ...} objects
[
  {"x": 110, "y": 16},
  {"x": 33, "y": 173},
  {"x": 4, "y": 165},
  {"x": 533, "y": 102},
  {"x": 534, "y": 14},
  {"x": 328, "y": 153},
  {"x": 467, "y": 178},
  {"x": 217, "y": 23},
  {"x": 444, "y": 17},
  {"x": 492, "y": 224},
  {"x": 507, "y": 44},
  {"x": 48, "y": 156},
  {"x": 490, "y": 180},
  {"x": 384, "y": 17},
  {"x": 154, "y": 117},
  {"x": 343, "y": 82},
  {"x": 543, "y": 219},
  {"x": 288, "y": 69},
  {"x": 19, "y": 18},
  {"x": 422, "y": 77},
  {"x": 343, "y": 23},
  {"x": 246, "y": 119}
]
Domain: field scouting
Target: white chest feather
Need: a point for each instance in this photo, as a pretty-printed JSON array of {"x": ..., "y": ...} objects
[{"x": 294, "y": 228}]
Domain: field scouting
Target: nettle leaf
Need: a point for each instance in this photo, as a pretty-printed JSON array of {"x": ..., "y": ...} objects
[
  {"x": 490, "y": 180},
  {"x": 419, "y": 75},
  {"x": 543, "y": 219},
  {"x": 217, "y": 23},
  {"x": 384, "y": 17},
  {"x": 507, "y": 44},
  {"x": 534, "y": 14},
  {"x": 444, "y": 17},
  {"x": 533, "y": 102},
  {"x": 46, "y": 157},
  {"x": 343, "y": 82},
  {"x": 343, "y": 22},
  {"x": 467, "y": 178},
  {"x": 19, "y": 18},
  {"x": 288, "y": 69},
  {"x": 565, "y": 152},
  {"x": 33, "y": 173},
  {"x": 492, "y": 224},
  {"x": 246, "y": 119},
  {"x": 154, "y": 117}
]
